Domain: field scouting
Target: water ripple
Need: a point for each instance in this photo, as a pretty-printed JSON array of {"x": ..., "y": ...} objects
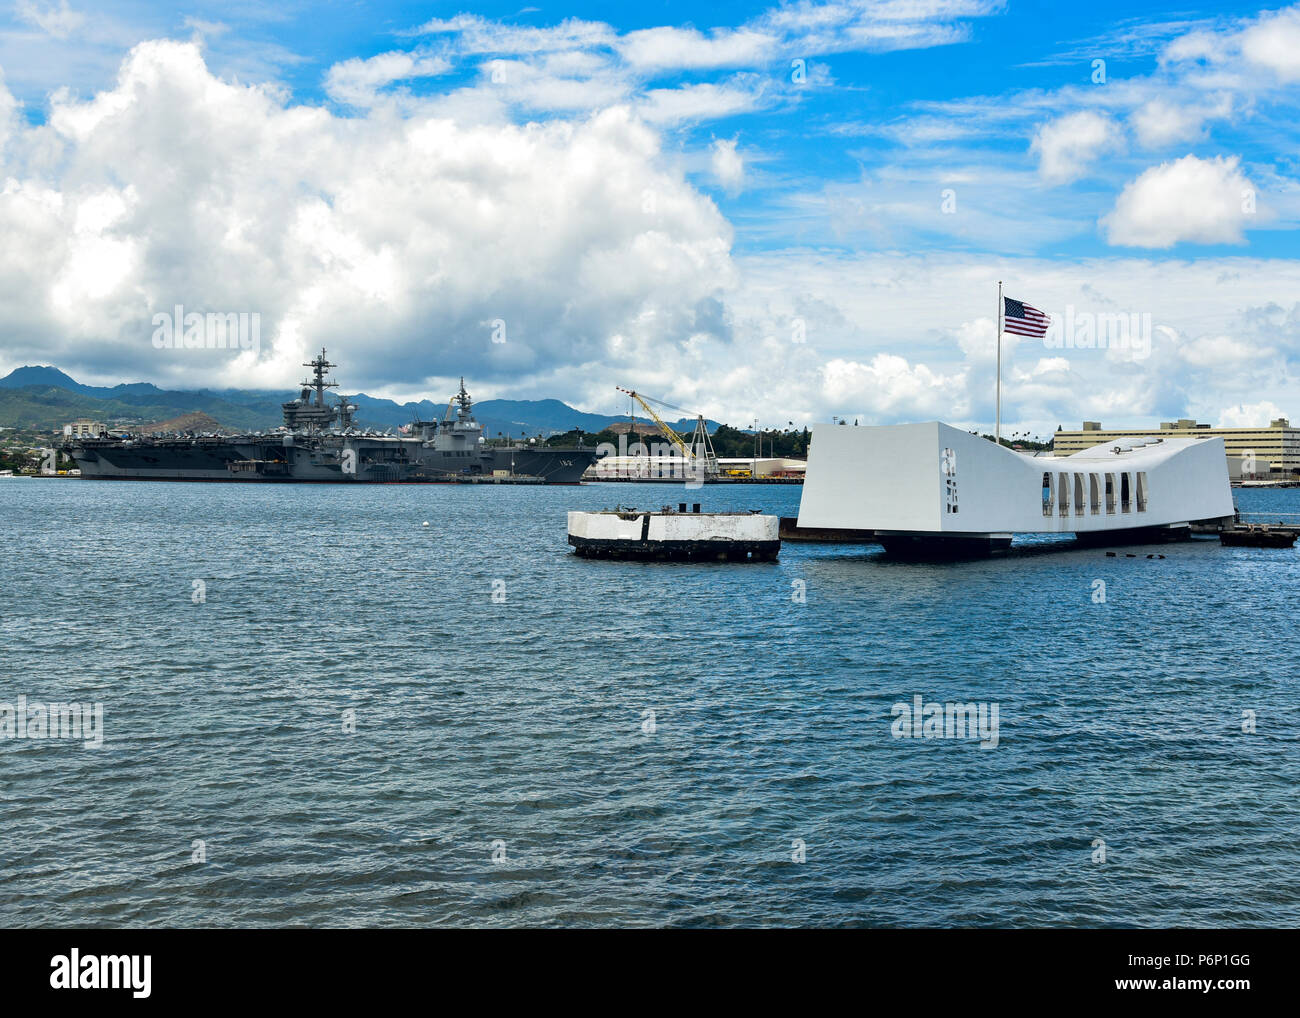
[{"x": 348, "y": 730}]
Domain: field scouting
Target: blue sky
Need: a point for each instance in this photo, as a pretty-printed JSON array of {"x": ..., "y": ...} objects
[{"x": 791, "y": 211}]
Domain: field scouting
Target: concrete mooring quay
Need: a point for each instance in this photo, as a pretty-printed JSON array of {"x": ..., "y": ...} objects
[
  {"x": 1258, "y": 535},
  {"x": 632, "y": 479},
  {"x": 1253, "y": 530},
  {"x": 681, "y": 535},
  {"x": 498, "y": 479},
  {"x": 791, "y": 531}
]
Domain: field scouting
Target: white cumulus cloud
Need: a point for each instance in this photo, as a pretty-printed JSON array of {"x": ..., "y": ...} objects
[
  {"x": 1189, "y": 200},
  {"x": 1161, "y": 122},
  {"x": 1268, "y": 43},
  {"x": 59, "y": 21},
  {"x": 1250, "y": 415},
  {"x": 1068, "y": 145},
  {"x": 728, "y": 164},
  {"x": 393, "y": 240},
  {"x": 1273, "y": 42},
  {"x": 1220, "y": 351},
  {"x": 655, "y": 48},
  {"x": 888, "y": 382},
  {"x": 358, "y": 81},
  {"x": 699, "y": 101}
]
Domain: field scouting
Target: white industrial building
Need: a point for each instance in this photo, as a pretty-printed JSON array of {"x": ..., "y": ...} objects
[
  {"x": 83, "y": 428},
  {"x": 762, "y": 466},
  {"x": 675, "y": 467},
  {"x": 610, "y": 468}
]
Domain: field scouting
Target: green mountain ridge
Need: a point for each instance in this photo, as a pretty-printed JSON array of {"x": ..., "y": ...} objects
[{"x": 45, "y": 398}]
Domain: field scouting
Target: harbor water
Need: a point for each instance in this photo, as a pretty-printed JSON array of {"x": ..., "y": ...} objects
[{"x": 318, "y": 711}]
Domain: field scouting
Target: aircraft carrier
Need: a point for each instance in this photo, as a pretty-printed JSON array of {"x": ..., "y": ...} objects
[{"x": 321, "y": 442}]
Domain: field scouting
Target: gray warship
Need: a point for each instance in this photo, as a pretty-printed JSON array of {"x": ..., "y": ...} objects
[{"x": 321, "y": 442}]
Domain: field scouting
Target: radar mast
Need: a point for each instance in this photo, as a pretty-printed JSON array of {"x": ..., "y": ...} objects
[{"x": 319, "y": 366}]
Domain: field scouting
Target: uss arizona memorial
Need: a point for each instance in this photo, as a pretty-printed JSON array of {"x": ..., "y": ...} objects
[{"x": 931, "y": 487}]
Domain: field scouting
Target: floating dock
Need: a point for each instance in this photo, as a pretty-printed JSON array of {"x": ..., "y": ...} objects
[{"x": 675, "y": 535}]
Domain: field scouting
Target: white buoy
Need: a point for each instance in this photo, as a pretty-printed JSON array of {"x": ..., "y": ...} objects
[{"x": 426, "y": 523}]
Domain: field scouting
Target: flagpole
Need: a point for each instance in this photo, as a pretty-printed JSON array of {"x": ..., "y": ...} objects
[{"x": 997, "y": 425}]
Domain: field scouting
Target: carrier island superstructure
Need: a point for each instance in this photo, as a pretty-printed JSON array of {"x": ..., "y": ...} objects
[{"x": 320, "y": 441}]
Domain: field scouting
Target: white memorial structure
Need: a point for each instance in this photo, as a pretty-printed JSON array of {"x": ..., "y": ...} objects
[{"x": 933, "y": 489}]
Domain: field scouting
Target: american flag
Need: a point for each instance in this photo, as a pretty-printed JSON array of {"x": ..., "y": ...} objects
[{"x": 1023, "y": 319}]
